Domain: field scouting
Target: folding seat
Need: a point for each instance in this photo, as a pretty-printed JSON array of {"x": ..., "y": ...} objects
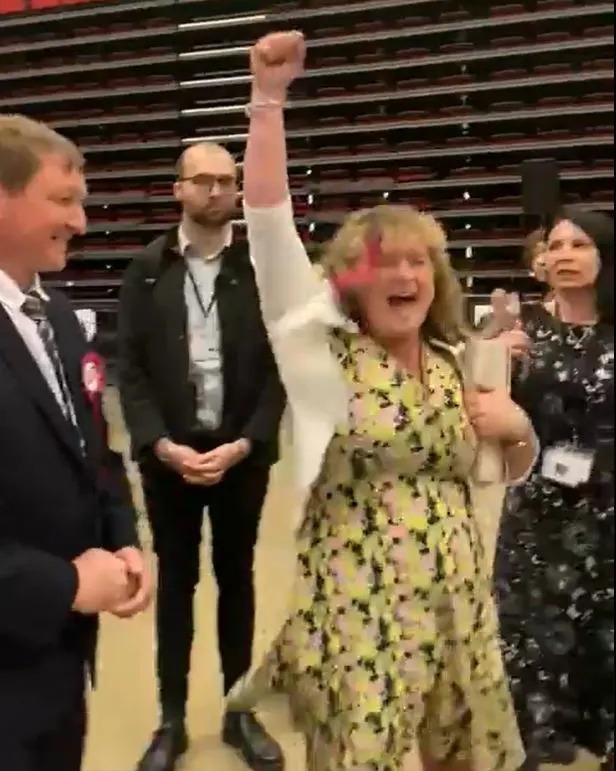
[
  {"x": 411, "y": 173},
  {"x": 456, "y": 109},
  {"x": 323, "y": 119},
  {"x": 331, "y": 91},
  {"x": 460, "y": 141},
  {"x": 508, "y": 41},
  {"x": 410, "y": 145},
  {"x": 598, "y": 64},
  {"x": 508, "y": 105},
  {"x": 553, "y": 5},
  {"x": 372, "y": 87},
  {"x": 551, "y": 69},
  {"x": 410, "y": 84},
  {"x": 510, "y": 9},
  {"x": 413, "y": 21},
  {"x": 598, "y": 97},
  {"x": 509, "y": 74},
  {"x": 508, "y": 137},
  {"x": 369, "y": 26},
  {"x": 554, "y": 134},
  {"x": 159, "y": 189},
  {"x": 370, "y": 57},
  {"x": 411, "y": 54},
  {"x": 453, "y": 80},
  {"x": 447, "y": 17},
  {"x": 602, "y": 130},
  {"x": 468, "y": 171},
  {"x": 553, "y": 37},
  {"x": 372, "y": 146},
  {"x": 599, "y": 31},
  {"x": 508, "y": 200},
  {"x": 456, "y": 47},
  {"x": 331, "y": 61},
  {"x": 380, "y": 173},
  {"x": 329, "y": 32},
  {"x": 371, "y": 117},
  {"x": 158, "y": 21},
  {"x": 412, "y": 115},
  {"x": 554, "y": 101}
]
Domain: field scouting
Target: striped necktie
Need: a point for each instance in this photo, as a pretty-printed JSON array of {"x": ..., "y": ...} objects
[{"x": 34, "y": 307}]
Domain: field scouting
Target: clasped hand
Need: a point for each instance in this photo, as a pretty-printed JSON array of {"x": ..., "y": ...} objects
[
  {"x": 119, "y": 583},
  {"x": 495, "y": 416},
  {"x": 205, "y": 468}
]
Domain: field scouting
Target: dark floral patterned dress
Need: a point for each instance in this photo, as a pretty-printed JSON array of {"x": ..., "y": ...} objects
[{"x": 554, "y": 568}]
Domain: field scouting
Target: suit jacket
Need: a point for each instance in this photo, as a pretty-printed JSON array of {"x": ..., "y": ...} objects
[
  {"x": 55, "y": 503},
  {"x": 158, "y": 397}
]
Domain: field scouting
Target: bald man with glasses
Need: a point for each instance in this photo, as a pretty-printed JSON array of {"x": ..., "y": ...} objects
[{"x": 202, "y": 401}]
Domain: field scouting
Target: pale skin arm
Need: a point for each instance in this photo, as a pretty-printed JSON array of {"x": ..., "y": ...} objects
[
  {"x": 496, "y": 417},
  {"x": 520, "y": 457}
]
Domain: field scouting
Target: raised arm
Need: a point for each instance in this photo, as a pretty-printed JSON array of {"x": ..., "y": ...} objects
[{"x": 286, "y": 280}]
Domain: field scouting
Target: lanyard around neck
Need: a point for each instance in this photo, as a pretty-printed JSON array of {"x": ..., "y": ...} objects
[{"x": 205, "y": 309}]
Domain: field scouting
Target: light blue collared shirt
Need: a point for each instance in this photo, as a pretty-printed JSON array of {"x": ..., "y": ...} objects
[{"x": 206, "y": 365}]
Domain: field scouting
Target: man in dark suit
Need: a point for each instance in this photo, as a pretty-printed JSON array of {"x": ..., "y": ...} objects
[
  {"x": 68, "y": 544},
  {"x": 202, "y": 401}
]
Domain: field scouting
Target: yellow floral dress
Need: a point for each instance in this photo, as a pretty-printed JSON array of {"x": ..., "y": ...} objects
[{"x": 393, "y": 634}]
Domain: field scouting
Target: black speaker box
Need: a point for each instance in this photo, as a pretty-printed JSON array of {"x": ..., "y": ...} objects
[{"x": 540, "y": 193}]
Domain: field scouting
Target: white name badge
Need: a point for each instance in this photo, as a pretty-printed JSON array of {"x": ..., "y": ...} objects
[{"x": 569, "y": 466}]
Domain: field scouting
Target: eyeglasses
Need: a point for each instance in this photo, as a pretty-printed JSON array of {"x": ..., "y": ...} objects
[{"x": 226, "y": 182}]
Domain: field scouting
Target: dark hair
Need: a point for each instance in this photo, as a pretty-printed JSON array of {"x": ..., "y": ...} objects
[{"x": 600, "y": 228}]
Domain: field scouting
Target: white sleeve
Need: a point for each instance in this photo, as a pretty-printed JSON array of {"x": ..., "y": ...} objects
[{"x": 299, "y": 311}]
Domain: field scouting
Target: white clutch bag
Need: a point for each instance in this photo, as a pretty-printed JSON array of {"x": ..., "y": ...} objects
[{"x": 487, "y": 365}]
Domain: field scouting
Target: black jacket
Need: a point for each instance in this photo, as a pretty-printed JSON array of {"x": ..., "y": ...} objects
[
  {"x": 158, "y": 397},
  {"x": 54, "y": 504}
]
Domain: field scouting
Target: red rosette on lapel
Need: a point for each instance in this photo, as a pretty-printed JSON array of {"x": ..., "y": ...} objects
[{"x": 93, "y": 381}]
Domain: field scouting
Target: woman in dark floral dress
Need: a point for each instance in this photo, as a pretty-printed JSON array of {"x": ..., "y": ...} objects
[{"x": 554, "y": 568}]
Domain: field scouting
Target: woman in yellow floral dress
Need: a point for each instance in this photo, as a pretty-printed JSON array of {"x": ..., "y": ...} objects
[{"x": 392, "y": 633}]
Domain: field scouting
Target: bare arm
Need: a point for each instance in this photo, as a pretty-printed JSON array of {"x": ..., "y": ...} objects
[
  {"x": 521, "y": 457},
  {"x": 285, "y": 278}
]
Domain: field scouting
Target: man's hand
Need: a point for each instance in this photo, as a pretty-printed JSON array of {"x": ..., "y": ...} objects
[
  {"x": 103, "y": 582},
  {"x": 140, "y": 583},
  {"x": 212, "y": 466},
  {"x": 178, "y": 457}
]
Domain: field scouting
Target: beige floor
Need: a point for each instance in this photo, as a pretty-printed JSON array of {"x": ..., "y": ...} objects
[{"x": 123, "y": 709}]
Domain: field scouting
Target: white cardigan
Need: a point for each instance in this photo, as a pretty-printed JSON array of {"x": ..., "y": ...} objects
[{"x": 299, "y": 310}]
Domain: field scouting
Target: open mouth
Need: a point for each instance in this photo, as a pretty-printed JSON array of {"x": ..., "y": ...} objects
[
  {"x": 401, "y": 300},
  {"x": 566, "y": 273}
]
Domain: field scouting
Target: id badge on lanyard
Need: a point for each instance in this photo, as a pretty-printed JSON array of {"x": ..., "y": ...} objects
[{"x": 567, "y": 465}]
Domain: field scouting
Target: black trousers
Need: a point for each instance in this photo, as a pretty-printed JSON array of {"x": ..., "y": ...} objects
[
  {"x": 175, "y": 511},
  {"x": 59, "y": 750}
]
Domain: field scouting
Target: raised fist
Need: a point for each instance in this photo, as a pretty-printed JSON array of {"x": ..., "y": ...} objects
[{"x": 275, "y": 61}]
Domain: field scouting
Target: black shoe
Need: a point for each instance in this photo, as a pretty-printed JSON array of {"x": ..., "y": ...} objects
[
  {"x": 243, "y": 731},
  {"x": 168, "y": 745}
]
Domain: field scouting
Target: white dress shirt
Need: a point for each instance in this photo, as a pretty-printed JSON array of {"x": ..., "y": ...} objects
[{"x": 12, "y": 298}]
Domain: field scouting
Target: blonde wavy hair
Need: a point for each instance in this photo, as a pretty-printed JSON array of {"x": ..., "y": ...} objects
[{"x": 395, "y": 224}]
